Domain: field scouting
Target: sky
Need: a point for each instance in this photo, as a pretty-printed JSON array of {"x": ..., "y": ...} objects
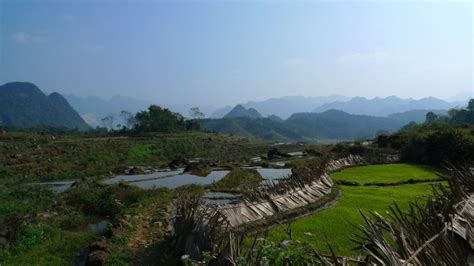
[{"x": 227, "y": 52}]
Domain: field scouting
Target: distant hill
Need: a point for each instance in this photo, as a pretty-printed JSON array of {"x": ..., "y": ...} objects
[
  {"x": 275, "y": 118},
  {"x": 240, "y": 111},
  {"x": 24, "y": 105},
  {"x": 340, "y": 125},
  {"x": 221, "y": 112},
  {"x": 332, "y": 124},
  {"x": 259, "y": 128},
  {"x": 417, "y": 116},
  {"x": 93, "y": 109},
  {"x": 385, "y": 106},
  {"x": 286, "y": 106}
]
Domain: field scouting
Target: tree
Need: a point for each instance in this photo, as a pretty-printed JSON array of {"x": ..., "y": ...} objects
[
  {"x": 453, "y": 112},
  {"x": 128, "y": 119},
  {"x": 196, "y": 113},
  {"x": 108, "y": 122},
  {"x": 462, "y": 116},
  {"x": 470, "y": 105},
  {"x": 158, "y": 119},
  {"x": 431, "y": 118}
]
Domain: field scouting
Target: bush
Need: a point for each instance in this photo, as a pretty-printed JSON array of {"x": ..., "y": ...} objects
[
  {"x": 435, "y": 144},
  {"x": 157, "y": 119},
  {"x": 93, "y": 198},
  {"x": 72, "y": 219}
]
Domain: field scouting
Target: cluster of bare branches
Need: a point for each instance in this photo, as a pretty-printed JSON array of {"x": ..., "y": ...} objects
[{"x": 200, "y": 229}]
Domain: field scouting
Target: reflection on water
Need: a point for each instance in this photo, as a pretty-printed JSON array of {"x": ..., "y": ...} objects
[
  {"x": 220, "y": 198},
  {"x": 57, "y": 187},
  {"x": 181, "y": 180},
  {"x": 99, "y": 228},
  {"x": 272, "y": 174},
  {"x": 278, "y": 164},
  {"x": 297, "y": 154},
  {"x": 173, "y": 179},
  {"x": 136, "y": 178}
]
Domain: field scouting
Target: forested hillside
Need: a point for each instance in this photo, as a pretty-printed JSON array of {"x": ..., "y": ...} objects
[
  {"x": 24, "y": 105},
  {"x": 331, "y": 124}
]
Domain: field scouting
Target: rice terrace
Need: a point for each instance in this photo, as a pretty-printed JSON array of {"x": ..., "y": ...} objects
[
  {"x": 335, "y": 223},
  {"x": 236, "y": 133}
]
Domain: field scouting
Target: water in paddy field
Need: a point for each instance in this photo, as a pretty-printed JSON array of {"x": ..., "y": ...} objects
[
  {"x": 181, "y": 180},
  {"x": 144, "y": 177},
  {"x": 172, "y": 178},
  {"x": 99, "y": 229},
  {"x": 57, "y": 187},
  {"x": 220, "y": 198},
  {"x": 273, "y": 174}
]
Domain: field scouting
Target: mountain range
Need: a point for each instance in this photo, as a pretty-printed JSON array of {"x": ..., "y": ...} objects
[
  {"x": 350, "y": 119},
  {"x": 24, "y": 105},
  {"x": 385, "y": 106},
  {"x": 331, "y": 124},
  {"x": 297, "y": 118},
  {"x": 283, "y": 107},
  {"x": 362, "y": 118},
  {"x": 92, "y": 109}
]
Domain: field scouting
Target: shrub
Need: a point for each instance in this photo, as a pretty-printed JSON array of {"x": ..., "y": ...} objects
[
  {"x": 93, "y": 198},
  {"x": 435, "y": 144}
]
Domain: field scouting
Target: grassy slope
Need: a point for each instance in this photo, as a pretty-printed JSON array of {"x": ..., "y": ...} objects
[
  {"x": 238, "y": 180},
  {"x": 33, "y": 157},
  {"x": 45, "y": 245},
  {"x": 335, "y": 223},
  {"x": 385, "y": 173}
]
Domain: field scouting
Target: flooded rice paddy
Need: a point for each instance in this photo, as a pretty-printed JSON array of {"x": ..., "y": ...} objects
[{"x": 173, "y": 179}]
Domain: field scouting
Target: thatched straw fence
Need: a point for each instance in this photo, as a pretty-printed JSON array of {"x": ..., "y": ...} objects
[{"x": 274, "y": 201}]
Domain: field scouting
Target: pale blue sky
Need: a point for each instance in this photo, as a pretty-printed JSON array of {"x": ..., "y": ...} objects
[{"x": 227, "y": 52}]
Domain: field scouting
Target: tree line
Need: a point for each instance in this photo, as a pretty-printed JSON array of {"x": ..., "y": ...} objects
[
  {"x": 441, "y": 139},
  {"x": 154, "y": 119}
]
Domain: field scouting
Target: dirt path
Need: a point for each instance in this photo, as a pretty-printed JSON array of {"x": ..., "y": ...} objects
[{"x": 149, "y": 229}]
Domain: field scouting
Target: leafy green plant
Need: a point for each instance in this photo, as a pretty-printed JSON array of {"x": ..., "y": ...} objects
[{"x": 286, "y": 252}]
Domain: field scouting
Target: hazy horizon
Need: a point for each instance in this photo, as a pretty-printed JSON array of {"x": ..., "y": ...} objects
[
  {"x": 224, "y": 53},
  {"x": 462, "y": 97}
]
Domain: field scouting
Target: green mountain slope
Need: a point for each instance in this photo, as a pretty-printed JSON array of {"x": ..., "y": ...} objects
[
  {"x": 417, "y": 116},
  {"x": 260, "y": 128},
  {"x": 240, "y": 111},
  {"x": 24, "y": 105},
  {"x": 332, "y": 124},
  {"x": 340, "y": 125}
]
